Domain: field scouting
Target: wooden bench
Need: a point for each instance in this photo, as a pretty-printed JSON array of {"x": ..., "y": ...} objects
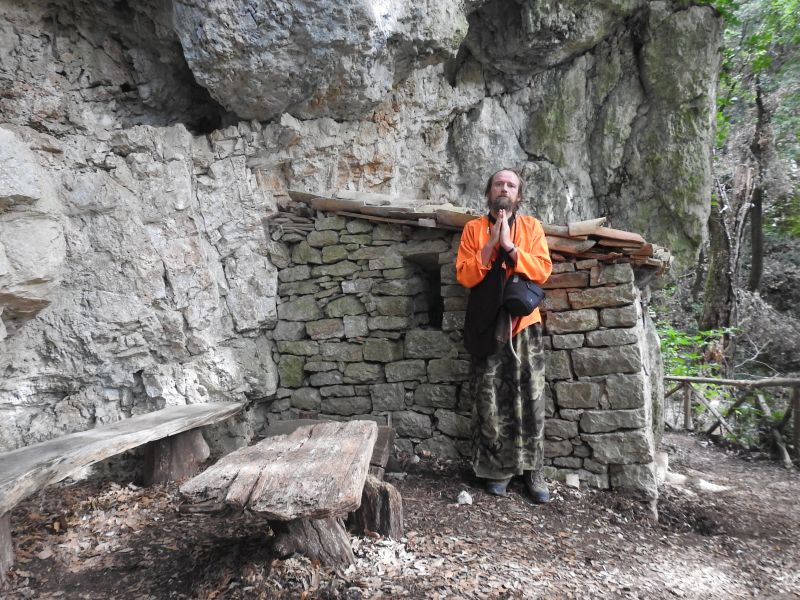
[
  {"x": 175, "y": 447},
  {"x": 302, "y": 483}
]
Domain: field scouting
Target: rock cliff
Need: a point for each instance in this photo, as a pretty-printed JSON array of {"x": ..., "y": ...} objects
[{"x": 142, "y": 143}]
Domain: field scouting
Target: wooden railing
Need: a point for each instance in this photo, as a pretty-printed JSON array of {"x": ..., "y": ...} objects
[{"x": 690, "y": 394}]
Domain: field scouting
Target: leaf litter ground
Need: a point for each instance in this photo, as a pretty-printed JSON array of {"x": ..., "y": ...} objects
[{"x": 728, "y": 528}]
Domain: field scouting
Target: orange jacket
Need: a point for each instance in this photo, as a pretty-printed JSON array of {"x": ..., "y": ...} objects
[{"x": 533, "y": 257}]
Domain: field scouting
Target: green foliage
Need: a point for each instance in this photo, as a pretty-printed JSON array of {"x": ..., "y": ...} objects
[{"x": 689, "y": 354}]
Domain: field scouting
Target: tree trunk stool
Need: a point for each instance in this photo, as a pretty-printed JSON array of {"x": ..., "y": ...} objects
[{"x": 301, "y": 482}]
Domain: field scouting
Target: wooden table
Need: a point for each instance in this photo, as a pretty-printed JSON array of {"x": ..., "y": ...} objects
[{"x": 301, "y": 482}]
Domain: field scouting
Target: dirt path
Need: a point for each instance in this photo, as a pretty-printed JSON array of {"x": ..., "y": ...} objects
[{"x": 729, "y": 528}]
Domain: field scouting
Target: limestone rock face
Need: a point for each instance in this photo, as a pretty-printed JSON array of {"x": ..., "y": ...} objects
[
  {"x": 145, "y": 146},
  {"x": 32, "y": 247},
  {"x": 312, "y": 58}
]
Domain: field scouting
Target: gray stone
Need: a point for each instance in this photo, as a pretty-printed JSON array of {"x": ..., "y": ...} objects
[
  {"x": 438, "y": 396},
  {"x": 603, "y": 297},
  {"x": 594, "y": 466},
  {"x": 626, "y": 391},
  {"x": 388, "y": 323},
  {"x": 401, "y": 273},
  {"x": 368, "y": 253},
  {"x": 393, "y": 306},
  {"x": 570, "y": 414},
  {"x": 405, "y": 370},
  {"x": 354, "y": 242},
  {"x": 355, "y": 327},
  {"x": 320, "y": 239},
  {"x": 358, "y": 226},
  {"x": 581, "y": 450},
  {"x": 453, "y": 424},
  {"x": 363, "y": 373},
  {"x": 572, "y": 321},
  {"x": 337, "y": 391},
  {"x": 300, "y": 347},
  {"x": 553, "y": 448},
  {"x": 560, "y": 429},
  {"x": 577, "y": 394},
  {"x": 352, "y": 405},
  {"x": 439, "y": 446},
  {"x": 604, "y": 361},
  {"x": 334, "y": 223},
  {"x": 601, "y": 421},
  {"x": 622, "y": 447},
  {"x": 289, "y": 331},
  {"x": 387, "y": 261},
  {"x": 454, "y": 291},
  {"x": 555, "y": 300},
  {"x": 624, "y": 316},
  {"x": 412, "y": 424},
  {"x": 612, "y": 337},
  {"x": 399, "y": 287},
  {"x": 557, "y": 365},
  {"x": 453, "y": 320},
  {"x": 323, "y": 379},
  {"x": 448, "y": 369},
  {"x": 357, "y": 286},
  {"x": 380, "y": 350},
  {"x": 637, "y": 480},
  {"x": 325, "y": 329},
  {"x": 298, "y": 288},
  {"x": 341, "y": 351},
  {"x": 332, "y": 254},
  {"x": 455, "y": 304},
  {"x": 340, "y": 269},
  {"x": 569, "y": 462},
  {"x": 428, "y": 343},
  {"x": 300, "y": 273},
  {"x": 304, "y": 308},
  {"x": 317, "y": 366},
  {"x": 568, "y": 341},
  {"x": 388, "y": 396},
  {"x": 303, "y": 254},
  {"x": 387, "y": 232},
  {"x": 306, "y": 399},
  {"x": 290, "y": 370},
  {"x": 610, "y": 274}
]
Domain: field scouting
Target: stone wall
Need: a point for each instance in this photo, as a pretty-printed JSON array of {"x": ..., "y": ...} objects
[{"x": 369, "y": 326}]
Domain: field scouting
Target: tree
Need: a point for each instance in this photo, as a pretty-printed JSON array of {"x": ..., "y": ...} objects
[{"x": 758, "y": 88}]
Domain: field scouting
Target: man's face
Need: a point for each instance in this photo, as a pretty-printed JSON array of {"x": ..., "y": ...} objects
[{"x": 504, "y": 192}]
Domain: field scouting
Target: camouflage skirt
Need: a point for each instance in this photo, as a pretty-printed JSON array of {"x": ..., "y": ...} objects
[{"x": 508, "y": 408}]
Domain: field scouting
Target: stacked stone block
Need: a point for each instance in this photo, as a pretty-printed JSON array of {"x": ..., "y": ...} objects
[{"x": 369, "y": 326}]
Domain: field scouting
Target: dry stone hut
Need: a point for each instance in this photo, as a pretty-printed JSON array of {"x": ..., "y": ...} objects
[{"x": 369, "y": 326}]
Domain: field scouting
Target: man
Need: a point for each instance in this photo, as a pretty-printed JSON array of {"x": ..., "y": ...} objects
[{"x": 507, "y": 387}]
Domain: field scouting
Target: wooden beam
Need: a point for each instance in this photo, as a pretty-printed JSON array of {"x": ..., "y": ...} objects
[
  {"x": 745, "y": 383},
  {"x": 26, "y": 470},
  {"x": 688, "y": 424},
  {"x": 720, "y": 419},
  {"x": 6, "y": 546}
]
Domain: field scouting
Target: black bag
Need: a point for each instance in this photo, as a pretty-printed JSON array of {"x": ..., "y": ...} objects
[
  {"x": 521, "y": 295},
  {"x": 484, "y": 303}
]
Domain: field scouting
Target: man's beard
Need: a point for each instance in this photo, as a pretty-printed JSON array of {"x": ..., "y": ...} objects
[{"x": 502, "y": 203}]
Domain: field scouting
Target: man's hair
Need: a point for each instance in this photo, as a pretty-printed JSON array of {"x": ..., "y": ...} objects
[{"x": 519, "y": 179}]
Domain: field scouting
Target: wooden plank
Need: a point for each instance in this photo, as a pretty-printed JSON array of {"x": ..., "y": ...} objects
[
  {"x": 745, "y": 383},
  {"x": 575, "y": 279},
  {"x": 568, "y": 246},
  {"x": 413, "y": 222},
  {"x": 383, "y": 447},
  {"x": 454, "y": 218},
  {"x": 585, "y": 227},
  {"x": 618, "y": 234},
  {"x": 26, "y": 470},
  {"x": 315, "y": 472},
  {"x": 6, "y": 546}
]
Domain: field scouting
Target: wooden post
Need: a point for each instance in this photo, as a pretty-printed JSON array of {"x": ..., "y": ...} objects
[
  {"x": 687, "y": 407},
  {"x": 175, "y": 457},
  {"x": 796, "y": 410},
  {"x": 381, "y": 510},
  {"x": 6, "y": 546}
]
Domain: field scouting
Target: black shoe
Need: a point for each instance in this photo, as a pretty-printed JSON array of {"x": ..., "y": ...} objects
[
  {"x": 497, "y": 488},
  {"x": 537, "y": 486}
]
